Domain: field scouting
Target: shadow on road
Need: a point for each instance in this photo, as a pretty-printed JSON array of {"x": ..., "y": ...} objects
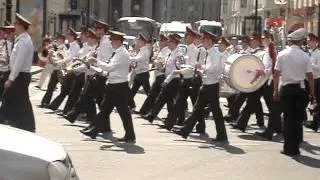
[
  {"x": 312, "y": 149},
  {"x": 253, "y": 137},
  {"x": 129, "y": 148},
  {"x": 308, "y": 161},
  {"x": 224, "y": 146}
]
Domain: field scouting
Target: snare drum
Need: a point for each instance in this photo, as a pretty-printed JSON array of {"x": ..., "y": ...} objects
[{"x": 240, "y": 73}]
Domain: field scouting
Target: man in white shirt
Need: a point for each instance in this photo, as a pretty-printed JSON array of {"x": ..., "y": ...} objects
[
  {"x": 86, "y": 102},
  {"x": 18, "y": 108},
  {"x": 140, "y": 64},
  {"x": 209, "y": 92},
  {"x": 313, "y": 44},
  {"x": 117, "y": 90},
  {"x": 186, "y": 86},
  {"x": 234, "y": 47},
  {"x": 7, "y": 47},
  {"x": 294, "y": 65},
  {"x": 60, "y": 48},
  {"x": 69, "y": 78},
  {"x": 103, "y": 53},
  {"x": 253, "y": 104},
  {"x": 159, "y": 63},
  {"x": 171, "y": 83}
]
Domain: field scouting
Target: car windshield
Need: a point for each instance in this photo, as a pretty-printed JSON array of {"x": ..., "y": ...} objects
[
  {"x": 133, "y": 28},
  {"x": 217, "y": 30}
]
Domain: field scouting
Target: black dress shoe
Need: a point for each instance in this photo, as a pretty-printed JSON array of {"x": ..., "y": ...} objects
[
  {"x": 181, "y": 133},
  {"x": 220, "y": 140},
  {"x": 135, "y": 112},
  {"x": 43, "y": 105},
  {"x": 236, "y": 126},
  {"x": 69, "y": 118},
  {"x": 148, "y": 117},
  {"x": 264, "y": 135},
  {"x": 127, "y": 140},
  {"x": 312, "y": 126},
  {"x": 60, "y": 113},
  {"x": 92, "y": 134},
  {"x": 290, "y": 154},
  {"x": 87, "y": 128}
]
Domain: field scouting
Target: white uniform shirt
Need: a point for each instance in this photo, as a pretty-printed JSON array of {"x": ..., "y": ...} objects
[
  {"x": 6, "y": 50},
  {"x": 190, "y": 61},
  {"x": 267, "y": 62},
  {"x": 265, "y": 57},
  {"x": 315, "y": 61},
  {"x": 87, "y": 51},
  {"x": 246, "y": 51},
  {"x": 162, "y": 54},
  {"x": 118, "y": 67},
  {"x": 224, "y": 57},
  {"x": 72, "y": 52},
  {"x": 104, "y": 50},
  {"x": 233, "y": 49},
  {"x": 293, "y": 63},
  {"x": 141, "y": 60},
  {"x": 212, "y": 69},
  {"x": 202, "y": 51},
  {"x": 22, "y": 56},
  {"x": 171, "y": 64}
]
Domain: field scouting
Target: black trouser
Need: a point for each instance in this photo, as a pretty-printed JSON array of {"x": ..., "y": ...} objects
[
  {"x": 275, "y": 110},
  {"x": 237, "y": 104},
  {"x": 3, "y": 78},
  {"x": 51, "y": 87},
  {"x": 16, "y": 106},
  {"x": 181, "y": 104},
  {"x": 293, "y": 98},
  {"x": 153, "y": 94},
  {"x": 116, "y": 95},
  {"x": 168, "y": 94},
  {"x": 74, "y": 93},
  {"x": 208, "y": 95},
  {"x": 139, "y": 80},
  {"x": 316, "y": 113},
  {"x": 65, "y": 89},
  {"x": 93, "y": 89},
  {"x": 251, "y": 106}
]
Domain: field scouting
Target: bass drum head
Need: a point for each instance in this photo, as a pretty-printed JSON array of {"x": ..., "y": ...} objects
[{"x": 243, "y": 74}]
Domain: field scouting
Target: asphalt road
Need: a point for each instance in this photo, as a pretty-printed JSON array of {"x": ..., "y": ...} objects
[{"x": 161, "y": 155}]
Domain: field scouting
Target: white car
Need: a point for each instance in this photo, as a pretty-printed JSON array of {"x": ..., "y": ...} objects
[{"x": 26, "y": 156}]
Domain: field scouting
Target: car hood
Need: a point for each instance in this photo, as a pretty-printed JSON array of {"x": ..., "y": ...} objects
[{"x": 29, "y": 144}]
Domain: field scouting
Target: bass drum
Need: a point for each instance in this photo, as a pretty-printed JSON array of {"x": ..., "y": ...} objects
[{"x": 240, "y": 73}]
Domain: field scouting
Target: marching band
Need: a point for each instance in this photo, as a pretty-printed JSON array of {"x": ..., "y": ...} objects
[{"x": 94, "y": 76}]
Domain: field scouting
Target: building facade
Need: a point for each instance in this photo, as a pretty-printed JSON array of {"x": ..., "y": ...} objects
[
  {"x": 238, "y": 16},
  {"x": 159, "y": 10}
]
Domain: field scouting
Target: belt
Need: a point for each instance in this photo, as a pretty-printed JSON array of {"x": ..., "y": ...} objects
[{"x": 293, "y": 86}]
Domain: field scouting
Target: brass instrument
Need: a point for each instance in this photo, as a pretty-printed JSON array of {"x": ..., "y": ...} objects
[
  {"x": 158, "y": 63},
  {"x": 57, "y": 56}
]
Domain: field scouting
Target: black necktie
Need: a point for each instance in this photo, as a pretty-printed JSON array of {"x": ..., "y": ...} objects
[
  {"x": 205, "y": 61},
  {"x": 111, "y": 56},
  {"x": 165, "y": 66}
]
